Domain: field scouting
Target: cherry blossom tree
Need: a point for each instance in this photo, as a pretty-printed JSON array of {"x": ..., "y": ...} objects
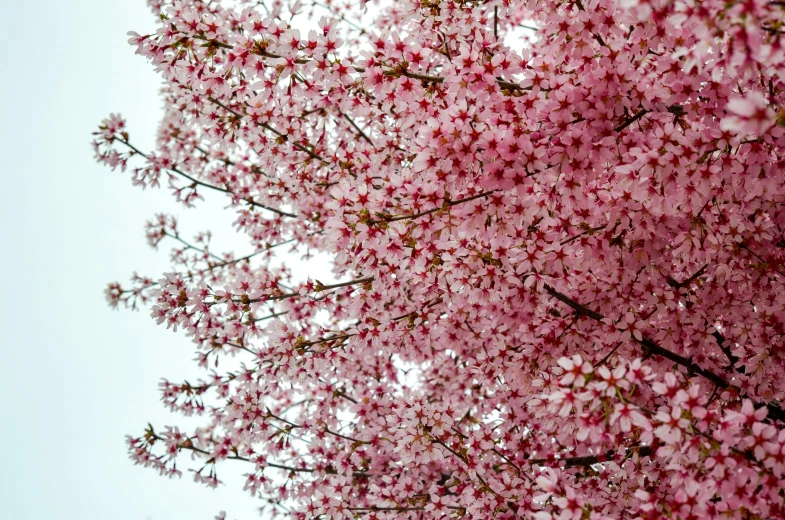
[{"x": 557, "y": 234}]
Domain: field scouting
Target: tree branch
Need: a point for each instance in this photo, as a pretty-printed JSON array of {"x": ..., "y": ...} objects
[
  {"x": 649, "y": 346},
  {"x": 210, "y": 186}
]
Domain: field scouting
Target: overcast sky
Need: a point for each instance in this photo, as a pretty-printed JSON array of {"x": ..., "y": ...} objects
[{"x": 75, "y": 376}]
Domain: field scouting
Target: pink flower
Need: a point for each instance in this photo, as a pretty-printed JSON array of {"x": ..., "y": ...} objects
[
  {"x": 749, "y": 115},
  {"x": 628, "y": 416}
]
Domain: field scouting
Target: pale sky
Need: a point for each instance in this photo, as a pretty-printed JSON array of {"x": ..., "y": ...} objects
[{"x": 75, "y": 376}]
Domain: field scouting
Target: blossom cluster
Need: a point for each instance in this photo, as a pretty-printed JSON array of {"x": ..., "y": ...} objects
[{"x": 557, "y": 234}]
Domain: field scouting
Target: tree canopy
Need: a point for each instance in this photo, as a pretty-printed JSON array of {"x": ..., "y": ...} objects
[{"x": 557, "y": 233}]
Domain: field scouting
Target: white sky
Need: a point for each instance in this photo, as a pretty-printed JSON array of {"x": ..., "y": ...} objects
[{"x": 75, "y": 376}]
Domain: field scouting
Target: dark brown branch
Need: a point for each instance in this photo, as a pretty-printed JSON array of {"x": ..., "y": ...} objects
[
  {"x": 676, "y": 110},
  {"x": 590, "y": 460},
  {"x": 210, "y": 186},
  {"x": 215, "y": 266},
  {"x": 341, "y": 337},
  {"x": 326, "y": 430},
  {"x": 582, "y": 233},
  {"x": 721, "y": 342},
  {"x": 359, "y": 130},
  {"x": 652, "y": 348},
  {"x": 377, "y": 508},
  {"x": 446, "y": 204},
  {"x": 756, "y": 255},
  {"x": 191, "y": 246},
  {"x": 188, "y": 445},
  {"x": 678, "y": 285},
  {"x": 642, "y": 112},
  {"x": 319, "y": 287},
  {"x": 266, "y": 126},
  {"x": 225, "y": 160},
  {"x": 271, "y": 316},
  {"x": 390, "y": 72}
]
